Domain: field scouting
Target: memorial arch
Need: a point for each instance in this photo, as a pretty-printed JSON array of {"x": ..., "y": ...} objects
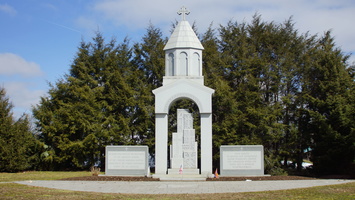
[
  {"x": 164, "y": 97},
  {"x": 183, "y": 80}
]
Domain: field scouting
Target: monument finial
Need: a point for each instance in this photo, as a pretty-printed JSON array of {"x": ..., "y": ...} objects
[{"x": 183, "y": 11}]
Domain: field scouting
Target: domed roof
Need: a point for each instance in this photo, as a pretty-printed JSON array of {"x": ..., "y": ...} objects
[{"x": 183, "y": 37}]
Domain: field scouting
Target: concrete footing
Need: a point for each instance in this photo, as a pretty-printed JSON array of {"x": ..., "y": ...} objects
[
  {"x": 180, "y": 177},
  {"x": 177, "y": 171}
]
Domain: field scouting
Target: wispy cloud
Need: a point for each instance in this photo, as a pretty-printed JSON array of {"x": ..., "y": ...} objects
[
  {"x": 8, "y": 9},
  {"x": 25, "y": 92},
  {"x": 315, "y": 16},
  {"x": 12, "y": 64},
  {"x": 49, "y": 6},
  {"x": 23, "y": 96},
  {"x": 86, "y": 23},
  {"x": 137, "y": 14},
  {"x": 26, "y": 97}
]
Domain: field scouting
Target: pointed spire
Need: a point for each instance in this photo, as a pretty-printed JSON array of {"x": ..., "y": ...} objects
[{"x": 183, "y": 35}]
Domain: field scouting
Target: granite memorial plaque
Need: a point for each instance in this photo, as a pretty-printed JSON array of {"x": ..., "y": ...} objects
[
  {"x": 127, "y": 161},
  {"x": 247, "y": 160}
]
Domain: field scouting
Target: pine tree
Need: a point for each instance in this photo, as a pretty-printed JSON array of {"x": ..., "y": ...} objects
[
  {"x": 244, "y": 53},
  {"x": 150, "y": 57},
  {"x": 224, "y": 107},
  {"x": 329, "y": 92},
  {"x": 16, "y": 139},
  {"x": 288, "y": 91},
  {"x": 271, "y": 70},
  {"x": 149, "y": 60},
  {"x": 89, "y": 108}
]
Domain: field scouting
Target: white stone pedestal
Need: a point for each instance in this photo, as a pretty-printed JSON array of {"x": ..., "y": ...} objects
[{"x": 176, "y": 171}]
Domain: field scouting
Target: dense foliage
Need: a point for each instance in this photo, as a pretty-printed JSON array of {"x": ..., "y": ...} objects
[
  {"x": 293, "y": 93},
  {"x": 19, "y": 149}
]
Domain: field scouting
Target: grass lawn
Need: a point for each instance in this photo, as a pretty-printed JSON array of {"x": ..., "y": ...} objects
[
  {"x": 38, "y": 175},
  {"x": 10, "y": 190}
]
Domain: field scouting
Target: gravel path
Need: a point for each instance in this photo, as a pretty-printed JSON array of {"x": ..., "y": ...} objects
[{"x": 162, "y": 187}]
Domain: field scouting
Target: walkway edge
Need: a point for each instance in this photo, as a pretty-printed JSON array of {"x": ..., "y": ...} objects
[{"x": 191, "y": 187}]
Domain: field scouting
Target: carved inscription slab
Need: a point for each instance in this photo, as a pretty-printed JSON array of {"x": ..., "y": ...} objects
[
  {"x": 190, "y": 160},
  {"x": 242, "y": 160},
  {"x": 126, "y": 160}
]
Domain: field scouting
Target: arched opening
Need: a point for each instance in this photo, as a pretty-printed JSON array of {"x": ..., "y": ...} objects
[
  {"x": 183, "y": 64},
  {"x": 191, "y": 107},
  {"x": 171, "y": 67},
  {"x": 196, "y": 65},
  {"x": 165, "y": 99}
]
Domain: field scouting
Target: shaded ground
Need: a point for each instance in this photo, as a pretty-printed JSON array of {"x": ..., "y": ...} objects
[
  {"x": 261, "y": 178},
  {"x": 120, "y": 178},
  {"x": 110, "y": 178}
]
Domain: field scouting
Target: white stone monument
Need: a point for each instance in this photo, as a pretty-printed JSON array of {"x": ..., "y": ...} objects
[
  {"x": 183, "y": 151},
  {"x": 183, "y": 80}
]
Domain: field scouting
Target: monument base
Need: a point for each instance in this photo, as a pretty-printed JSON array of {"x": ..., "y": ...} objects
[
  {"x": 176, "y": 171},
  {"x": 182, "y": 177},
  {"x": 263, "y": 175}
]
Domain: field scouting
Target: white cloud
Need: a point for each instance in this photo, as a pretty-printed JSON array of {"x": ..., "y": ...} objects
[
  {"x": 12, "y": 64},
  {"x": 23, "y": 90},
  {"x": 315, "y": 16},
  {"x": 22, "y": 96},
  {"x": 8, "y": 9},
  {"x": 135, "y": 14},
  {"x": 86, "y": 23}
]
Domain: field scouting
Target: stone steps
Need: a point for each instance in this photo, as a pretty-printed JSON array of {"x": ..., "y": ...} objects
[
  {"x": 180, "y": 177},
  {"x": 176, "y": 171}
]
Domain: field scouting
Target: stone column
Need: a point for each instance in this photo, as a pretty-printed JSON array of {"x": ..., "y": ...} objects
[
  {"x": 161, "y": 142},
  {"x": 206, "y": 144}
]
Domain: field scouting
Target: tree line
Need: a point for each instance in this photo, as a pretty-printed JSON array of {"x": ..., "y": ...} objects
[{"x": 292, "y": 92}]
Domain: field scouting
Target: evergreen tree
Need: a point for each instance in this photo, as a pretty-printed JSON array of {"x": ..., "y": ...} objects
[
  {"x": 288, "y": 91},
  {"x": 266, "y": 65},
  {"x": 224, "y": 108},
  {"x": 328, "y": 88},
  {"x": 16, "y": 139},
  {"x": 149, "y": 60},
  {"x": 150, "y": 57},
  {"x": 244, "y": 52},
  {"x": 89, "y": 108}
]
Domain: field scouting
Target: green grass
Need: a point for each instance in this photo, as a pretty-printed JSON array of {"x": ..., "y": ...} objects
[
  {"x": 10, "y": 190},
  {"x": 38, "y": 175}
]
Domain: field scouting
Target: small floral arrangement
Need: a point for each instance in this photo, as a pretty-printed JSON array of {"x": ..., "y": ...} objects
[{"x": 95, "y": 171}]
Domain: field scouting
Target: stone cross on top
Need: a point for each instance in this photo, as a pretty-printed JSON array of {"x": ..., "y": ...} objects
[{"x": 183, "y": 11}]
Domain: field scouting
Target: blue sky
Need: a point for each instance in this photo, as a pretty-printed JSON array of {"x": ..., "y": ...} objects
[{"x": 39, "y": 38}]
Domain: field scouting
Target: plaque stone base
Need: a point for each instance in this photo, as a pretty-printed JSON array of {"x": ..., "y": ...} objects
[
  {"x": 182, "y": 177},
  {"x": 176, "y": 171}
]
